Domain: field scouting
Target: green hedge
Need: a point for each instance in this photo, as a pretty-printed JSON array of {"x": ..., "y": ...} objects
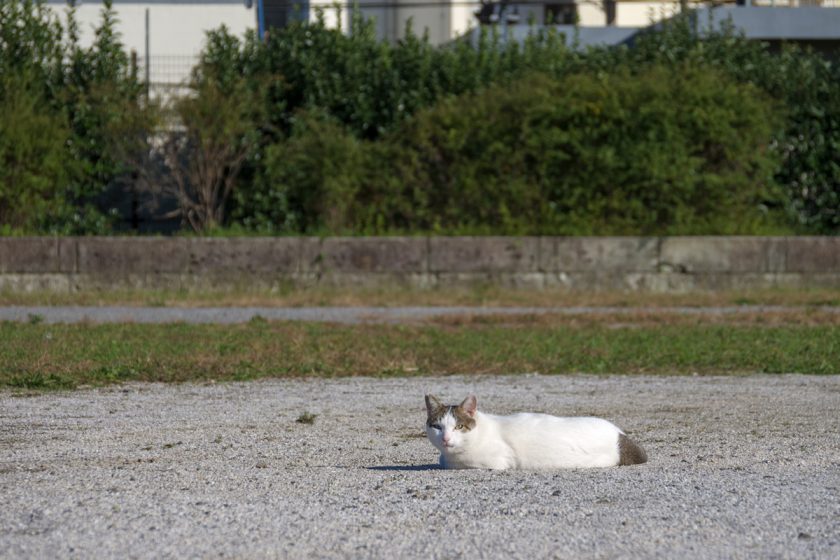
[
  {"x": 361, "y": 89},
  {"x": 807, "y": 87},
  {"x": 61, "y": 107},
  {"x": 367, "y": 85},
  {"x": 687, "y": 131},
  {"x": 670, "y": 151}
]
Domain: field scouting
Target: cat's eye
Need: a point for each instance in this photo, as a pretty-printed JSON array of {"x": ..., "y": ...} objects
[
  {"x": 436, "y": 426},
  {"x": 459, "y": 427}
]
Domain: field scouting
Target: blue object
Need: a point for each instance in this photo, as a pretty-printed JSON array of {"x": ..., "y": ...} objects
[{"x": 260, "y": 20}]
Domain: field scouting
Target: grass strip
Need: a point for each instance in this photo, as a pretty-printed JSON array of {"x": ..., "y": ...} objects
[{"x": 41, "y": 357}]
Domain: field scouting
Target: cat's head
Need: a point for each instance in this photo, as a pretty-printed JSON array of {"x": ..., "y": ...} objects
[{"x": 448, "y": 426}]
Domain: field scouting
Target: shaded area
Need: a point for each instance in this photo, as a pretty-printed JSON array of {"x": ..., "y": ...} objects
[{"x": 410, "y": 468}]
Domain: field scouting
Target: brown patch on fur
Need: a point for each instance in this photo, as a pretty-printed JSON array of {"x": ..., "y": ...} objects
[
  {"x": 630, "y": 452},
  {"x": 462, "y": 418},
  {"x": 437, "y": 411},
  {"x": 436, "y": 414}
]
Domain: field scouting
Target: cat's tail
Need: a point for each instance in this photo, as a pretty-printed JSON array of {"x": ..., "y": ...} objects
[{"x": 630, "y": 452}]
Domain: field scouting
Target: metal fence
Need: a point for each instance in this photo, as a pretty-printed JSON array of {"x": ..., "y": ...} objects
[{"x": 166, "y": 74}]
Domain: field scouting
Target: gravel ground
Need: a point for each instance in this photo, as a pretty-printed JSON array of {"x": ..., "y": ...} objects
[{"x": 741, "y": 467}]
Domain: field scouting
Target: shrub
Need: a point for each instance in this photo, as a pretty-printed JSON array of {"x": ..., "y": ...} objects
[
  {"x": 197, "y": 164},
  {"x": 307, "y": 180},
  {"x": 77, "y": 98},
  {"x": 33, "y": 161},
  {"x": 806, "y": 86},
  {"x": 613, "y": 154},
  {"x": 667, "y": 151},
  {"x": 318, "y": 131},
  {"x": 312, "y": 67},
  {"x": 368, "y": 86}
]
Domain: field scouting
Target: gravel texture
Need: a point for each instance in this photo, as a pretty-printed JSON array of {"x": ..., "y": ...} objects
[{"x": 740, "y": 467}]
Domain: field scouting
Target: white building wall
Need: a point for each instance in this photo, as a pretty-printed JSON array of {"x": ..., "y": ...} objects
[
  {"x": 463, "y": 19},
  {"x": 390, "y": 21},
  {"x": 434, "y": 21},
  {"x": 642, "y": 14},
  {"x": 176, "y": 29},
  {"x": 591, "y": 14}
]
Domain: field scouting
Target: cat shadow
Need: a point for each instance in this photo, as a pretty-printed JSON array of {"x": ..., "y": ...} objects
[{"x": 430, "y": 467}]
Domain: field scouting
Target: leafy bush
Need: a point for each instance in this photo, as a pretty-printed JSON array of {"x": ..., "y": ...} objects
[
  {"x": 100, "y": 93},
  {"x": 32, "y": 160},
  {"x": 313, "y": 68},
  {"x": 807, "y": 87},
  {"x": 325, "y": 132},
  {"x": 308, "y": 180},
  {"x": 369, "y": 86},
  {"x": 198, "y": 163},
  {"x": 60, "y": 152},
  {"x": 667, "y": 151}
]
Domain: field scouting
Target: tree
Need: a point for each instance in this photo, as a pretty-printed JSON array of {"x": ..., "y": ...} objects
[{"x": 199, "y": 159}]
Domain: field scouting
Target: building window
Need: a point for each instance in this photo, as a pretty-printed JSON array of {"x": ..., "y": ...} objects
[
  {"x": 280, "y": 13},
  {"x": 561, "y": 14}
]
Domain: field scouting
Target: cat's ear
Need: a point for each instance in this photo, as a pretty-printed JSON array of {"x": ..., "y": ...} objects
[
  {"x": 432, "y": 404},
  {"x": 470, "y": 405}
]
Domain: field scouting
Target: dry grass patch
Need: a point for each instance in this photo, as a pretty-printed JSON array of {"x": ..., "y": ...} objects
[{"x": 646, "y": 318}]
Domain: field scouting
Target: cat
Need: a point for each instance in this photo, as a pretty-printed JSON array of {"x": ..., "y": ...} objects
[{"x": 469, "y": 439}]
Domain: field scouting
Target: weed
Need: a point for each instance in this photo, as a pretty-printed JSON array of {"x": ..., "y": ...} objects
[
  {"x": 258, "y": 319},
  {"x": 40, "y": 381},
  {"x": 306, "y": 418}
]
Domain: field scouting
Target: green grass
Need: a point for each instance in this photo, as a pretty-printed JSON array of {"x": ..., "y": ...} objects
[{"x": 37, "y": 356}]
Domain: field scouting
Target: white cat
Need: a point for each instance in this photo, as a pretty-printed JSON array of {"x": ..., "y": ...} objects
[{"x": 469, "y": 439}]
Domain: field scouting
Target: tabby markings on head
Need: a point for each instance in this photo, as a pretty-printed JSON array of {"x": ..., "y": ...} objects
[{"x": 439, "y": 412}]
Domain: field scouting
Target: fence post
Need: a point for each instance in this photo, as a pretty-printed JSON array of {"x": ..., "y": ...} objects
[{"x": 148, "y": 56}]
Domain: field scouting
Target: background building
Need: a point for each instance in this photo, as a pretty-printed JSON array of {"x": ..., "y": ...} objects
[{"x": 168, "y": 35}]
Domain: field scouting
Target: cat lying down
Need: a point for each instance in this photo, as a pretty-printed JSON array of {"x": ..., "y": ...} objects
[{"x": 469, "y": 439}]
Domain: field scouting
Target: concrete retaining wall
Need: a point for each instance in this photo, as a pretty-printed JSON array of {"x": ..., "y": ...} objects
[{"x": 676, "y": 264}]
